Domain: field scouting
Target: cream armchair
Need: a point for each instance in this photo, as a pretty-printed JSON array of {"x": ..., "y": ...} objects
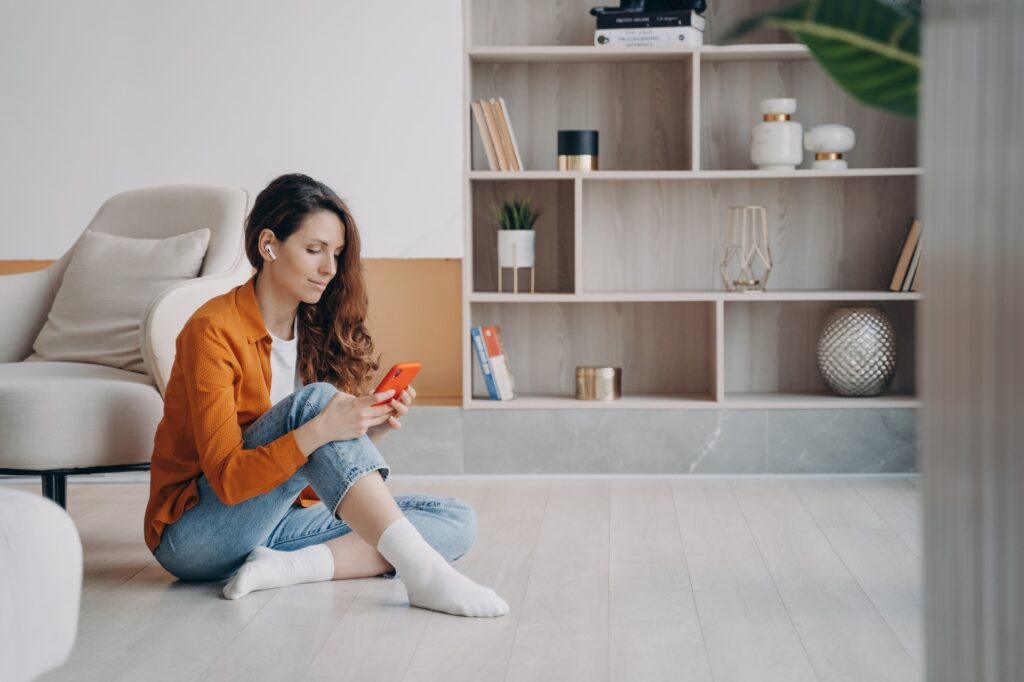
[{"x": 63, "y": 418}]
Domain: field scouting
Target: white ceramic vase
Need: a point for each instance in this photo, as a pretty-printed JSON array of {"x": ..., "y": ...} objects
[
  {"x": 776, "y": 143},
  {"x": 515, "y": 248},
  {"x": 828, "y": 143}
]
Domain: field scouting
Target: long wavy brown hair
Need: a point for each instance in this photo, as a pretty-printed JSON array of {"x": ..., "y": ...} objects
[{"x": 334, "y": 343}]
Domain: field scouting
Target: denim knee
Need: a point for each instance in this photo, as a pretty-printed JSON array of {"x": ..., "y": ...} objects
[
  {"x": 311, "y": 399},
  {"x": 465, "y": 521}
]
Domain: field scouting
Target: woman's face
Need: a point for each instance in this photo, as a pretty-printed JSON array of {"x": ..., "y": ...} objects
[{"x": 307, "y": 260}]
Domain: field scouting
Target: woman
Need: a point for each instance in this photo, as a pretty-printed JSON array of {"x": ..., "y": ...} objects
[{"x": 265, "y": 415}]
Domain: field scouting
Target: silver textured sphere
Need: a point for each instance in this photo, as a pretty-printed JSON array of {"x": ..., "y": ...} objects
[{"x": 857, "y": 351}]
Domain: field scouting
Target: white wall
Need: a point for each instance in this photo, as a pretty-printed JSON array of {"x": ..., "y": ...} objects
[{"x": 101, "y": 96}]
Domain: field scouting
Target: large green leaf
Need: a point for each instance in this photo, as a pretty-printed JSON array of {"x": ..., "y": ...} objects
[{"x": 870, "y": 47}]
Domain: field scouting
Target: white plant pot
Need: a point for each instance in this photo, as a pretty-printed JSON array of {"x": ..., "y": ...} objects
[{"x": 515, "y": 248}]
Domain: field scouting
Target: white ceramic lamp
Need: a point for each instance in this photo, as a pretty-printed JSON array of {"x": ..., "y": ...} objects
[{"x": 828, "y": 143}]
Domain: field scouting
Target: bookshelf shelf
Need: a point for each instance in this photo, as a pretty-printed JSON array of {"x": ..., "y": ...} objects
[
  {"x": 598, "y": 176},
  {"x": 732, "y": 401},
  {"x": 814, "y": 401},
  {"x": 641, "y": 401},
  {"x": 769, "y": 52},
  {"x": 695, "y": 296},
  {"x": 627, "y": 256},
  {"x": 583, "y": 53},
  {"x": 574, "y": 53}
]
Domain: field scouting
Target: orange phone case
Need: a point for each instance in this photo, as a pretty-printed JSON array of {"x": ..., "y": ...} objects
[{"x": 398, "y": 377}]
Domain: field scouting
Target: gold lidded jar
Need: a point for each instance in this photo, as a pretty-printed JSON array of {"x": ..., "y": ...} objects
[{"x": 598, "y": 383}]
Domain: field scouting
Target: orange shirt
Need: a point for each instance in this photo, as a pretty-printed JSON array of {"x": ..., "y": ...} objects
[{"x": 219, "y": 384}]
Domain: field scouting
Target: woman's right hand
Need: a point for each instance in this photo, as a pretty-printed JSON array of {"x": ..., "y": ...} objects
[{"x": 346, "y": 417}]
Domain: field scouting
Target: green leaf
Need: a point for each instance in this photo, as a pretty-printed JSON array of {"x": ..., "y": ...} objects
[
  {"x": 871, "y": 48},
  {"x": 515, "y": 214}
]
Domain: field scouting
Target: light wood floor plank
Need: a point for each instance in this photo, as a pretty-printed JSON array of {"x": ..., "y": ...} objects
[
  {"x": 748, "y": 631},
  {"x": 563, "y": 628},
  {"x": 509, "y": 523},
  {"x": 380, "y": 633},
  {"x": 886, "y": 569},
  {"x": 153, "y": 627},
  {"x": 898, "y": 501},
  {"x": 654, "y": 633},
  {"x": 844, "y": 635}
]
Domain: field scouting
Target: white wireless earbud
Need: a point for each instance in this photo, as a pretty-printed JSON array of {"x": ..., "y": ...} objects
[{"x": 270, "y": 252}]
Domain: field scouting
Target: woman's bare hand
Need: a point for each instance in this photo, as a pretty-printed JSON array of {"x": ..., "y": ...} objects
[
  {"x": 346, "y": 417},
  {"x": 400, "y": 407}
]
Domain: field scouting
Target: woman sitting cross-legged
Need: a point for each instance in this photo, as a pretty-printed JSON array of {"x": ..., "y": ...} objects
[{"x": 265, "y": 459}]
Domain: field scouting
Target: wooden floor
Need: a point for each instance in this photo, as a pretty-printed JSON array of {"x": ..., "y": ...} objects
[{"x": 663, "y": 579}]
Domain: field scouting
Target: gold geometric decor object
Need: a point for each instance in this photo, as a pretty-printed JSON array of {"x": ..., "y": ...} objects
[{"x": 746, "y": 254}]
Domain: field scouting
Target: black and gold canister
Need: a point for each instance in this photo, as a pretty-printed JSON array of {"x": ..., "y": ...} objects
[{"x": 577, "y": 150}]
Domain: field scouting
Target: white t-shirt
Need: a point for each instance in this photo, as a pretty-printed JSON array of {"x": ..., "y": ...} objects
[{"x": 284, "y": 375}]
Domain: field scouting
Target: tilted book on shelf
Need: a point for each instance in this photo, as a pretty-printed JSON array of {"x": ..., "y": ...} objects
[
  {"x": 501, "y": 371},
  {"x": 480, "y": 350},
  {"x": 504, "y": 135},
  {"x": 492, "y": 122},
  {"x": 906, "y": 255},
  {"x": 490, "y": 116},
  {"x": 511, "y": 134},
  {"x": 485, "y": 135},
  {"x": 915, "y": 262}
]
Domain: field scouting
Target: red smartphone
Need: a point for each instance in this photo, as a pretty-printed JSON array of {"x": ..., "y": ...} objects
[{"x": 398, "y": 377}]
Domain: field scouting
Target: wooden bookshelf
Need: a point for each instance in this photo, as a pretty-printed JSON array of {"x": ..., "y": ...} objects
[{"x": 627, "y": 256}]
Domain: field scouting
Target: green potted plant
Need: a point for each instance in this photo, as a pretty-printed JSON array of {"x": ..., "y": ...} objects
[
  {"x": 515, "y": 218},
  {"x": 871, "y": 48}
]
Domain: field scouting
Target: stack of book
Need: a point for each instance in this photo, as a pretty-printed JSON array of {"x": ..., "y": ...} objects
[
  {"x": 907, "y": 276},
  {"x": 490, "y": 353},
  {"x": 491, "y": 116},
  {"x": 650, "y": 29}
]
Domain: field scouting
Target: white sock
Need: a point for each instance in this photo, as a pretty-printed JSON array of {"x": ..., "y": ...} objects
[
  {"x": 429, "y": 580},
  {"x": 265, "y": 568}
]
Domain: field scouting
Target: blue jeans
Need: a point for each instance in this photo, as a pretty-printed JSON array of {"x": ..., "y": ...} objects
[{"x": 211, "y": 540}]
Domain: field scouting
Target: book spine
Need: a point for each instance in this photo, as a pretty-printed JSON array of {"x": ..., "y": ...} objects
[
  {"x": 914, "y": 263},
  {"x": 492, "y": 127},
  {"x": 683, "y": 36},
  {"x": 505, "y": 134},
  {"x": 499, "y": 369},
  {"x": 511, "y": 134},
  {"x": 485, "y": 135},
  {"x": 485, "y": 365},
  {"x": 906, "y": 253},
  {"x": 506, "y": 363},
  {"x": 650, "y": 20}
]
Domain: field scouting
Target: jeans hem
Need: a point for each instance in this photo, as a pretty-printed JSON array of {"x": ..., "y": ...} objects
[{"x": 385, "y": 470}]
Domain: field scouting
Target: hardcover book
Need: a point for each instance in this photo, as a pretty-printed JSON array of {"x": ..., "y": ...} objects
[
  {"x": 501, "y": 372},
  {"x": 480, "y": 350},
  {"x": 906, "y": 254},
  {"x": 679, "y": 36}
]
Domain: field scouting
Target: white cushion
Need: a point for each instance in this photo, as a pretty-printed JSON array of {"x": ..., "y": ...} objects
[
  {"x": 107, "y": 287},
  {"x": 56, "y": 415},
  {"x": 40, "y": 585}
]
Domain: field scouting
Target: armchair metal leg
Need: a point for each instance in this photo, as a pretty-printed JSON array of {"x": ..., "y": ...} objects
[{"x": 55, "y": 488}]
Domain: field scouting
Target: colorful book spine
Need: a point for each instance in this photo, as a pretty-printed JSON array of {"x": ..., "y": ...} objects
[
  {"x": 501, "y": 372},
  {"x": 476, "y": 335}
]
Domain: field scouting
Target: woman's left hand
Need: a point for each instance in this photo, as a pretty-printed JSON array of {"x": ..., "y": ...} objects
[{"x": 400, "y": 405}]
